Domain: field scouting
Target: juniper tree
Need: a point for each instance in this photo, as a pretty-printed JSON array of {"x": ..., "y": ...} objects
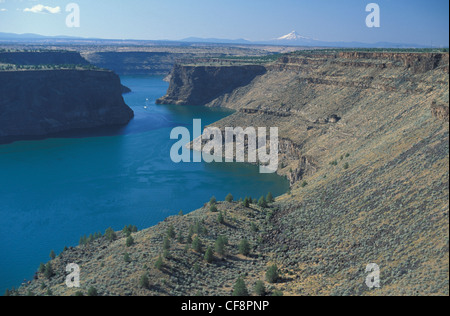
[
  {"x": 130, "y": 241},
  {"x": 144, "y": 282},
  {"x": 171, "y": 232},
  {"x": 209, "y": 255},
  {"x": 270, "y": 198},
  {"x": 260, "y": 288},
  {"x": 262, "y": 202},
  {"x": 159, "y": 263},
  {"x": 220, "y": 218},
  {"x": 197, "y": 245},
  {"x": 272, "y": 274},
  {"x": 240, "y": 289},
  {"x": 220, "y": 245},
  {"x": 244, "y": 247}
]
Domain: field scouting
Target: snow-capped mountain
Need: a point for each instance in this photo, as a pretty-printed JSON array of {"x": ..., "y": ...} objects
[{"x": 293, "y": 36}]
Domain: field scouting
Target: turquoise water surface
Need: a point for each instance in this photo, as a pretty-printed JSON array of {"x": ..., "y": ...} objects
[{"x": 54, "y": 191}]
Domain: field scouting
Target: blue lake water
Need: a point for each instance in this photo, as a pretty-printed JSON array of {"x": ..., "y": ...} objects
[{"x": 54, "y": 191}]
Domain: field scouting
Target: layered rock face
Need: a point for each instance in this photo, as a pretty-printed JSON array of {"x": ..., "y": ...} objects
[
  {"x": 39, "y": 103},
  {"x": 365, "y": 143},
  {"x": 198, "y": 85}
]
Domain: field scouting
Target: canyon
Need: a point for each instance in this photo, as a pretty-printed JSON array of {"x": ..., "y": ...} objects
[
  {"x": 364, "y": 141},
  {"x": 45, "y": 93}
]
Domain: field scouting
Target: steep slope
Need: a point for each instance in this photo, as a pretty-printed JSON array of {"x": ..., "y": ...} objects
[
  {"x": 365, "y": 143},
  {"x": 381, "y": 120},
  {"x": 39, "y": 103}
]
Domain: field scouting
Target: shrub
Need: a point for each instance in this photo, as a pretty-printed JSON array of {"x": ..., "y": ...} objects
[
  {"x": 92, "y": 291},
  {"x": 159, "y": 264},
  {"x": 213, "y": 208},
  {"x": 240, "y": 289},
  {"x": 262, "y": 202},
  {"x": 171, "y": 232},
  {"x": 272, "y": 274},
  {"x": 244, "y": 247},
  {"x": 253, "y": 227},
  {"x": 229, "y": 198},
  {"x": 213, "y": 201},
  {"x": 49, "y": 272},
  {"x": 304, "y": 184},
  {"x": 220, "y": 245},
  {"x": 126, "y": 258},
  {"x": 260, "y": 288},
  {"x": 110, "y": 234},
  {"x": 144, "y": 282},
  {"x": 270, "y": 198},
  {"x": 220, "y": 218},
  {"x": 346, "y": 166},
  {"x": 52, "y": 255},
  {"x": 166, "y": 243},
  {"x": 130, "y": 241},
  {"x": 246, "y": 202},
  {"x": 209, "y": 255},
  {"x": 197, "y": 245}
]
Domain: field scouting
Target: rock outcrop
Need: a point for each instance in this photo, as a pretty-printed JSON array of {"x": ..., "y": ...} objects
[
  {"x": 198, "y": 85},
  {"x": 40, "y": 103}
]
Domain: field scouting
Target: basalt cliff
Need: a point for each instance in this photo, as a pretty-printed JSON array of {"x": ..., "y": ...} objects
[
  {"x": 47, "y": 93},
  {"x": 364, "y": 140}
]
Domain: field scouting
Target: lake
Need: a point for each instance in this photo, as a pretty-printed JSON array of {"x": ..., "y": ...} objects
[{"x": 53, "y": 191}]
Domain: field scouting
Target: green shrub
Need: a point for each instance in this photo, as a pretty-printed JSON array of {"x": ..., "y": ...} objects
[
  {"x": 244, "y": 247},
  {"x": 166, "y": 243},
  {"x": 220, "y": 218},
  {"x": 92, "y": 291},
  {"x": 49, "y": 272},
  {"x": 144, "y": 282},
  {"x": 240, "y": 289},
  {"x": 229, "y": 198},
  {"x": 171, "y": 232},
  {"x": 220, "y": 245},
  {"x": 110, "y": 234},
  {"x": 197, "y": 245},
  {"x": 130, "y": 241},
  {"x": 260, "y": 288},
  {"x": 246, "y": 202},
  {"x": 272, "y": 274},
  {"x": 270, "y": 198},
  {"x": 159, "y": 264},
  {"x": 209, "y": 255},
  {"x": 262, "y": 202}
]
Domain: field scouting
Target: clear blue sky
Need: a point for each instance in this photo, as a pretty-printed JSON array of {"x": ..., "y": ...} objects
[{"x": 403, "y": 21}]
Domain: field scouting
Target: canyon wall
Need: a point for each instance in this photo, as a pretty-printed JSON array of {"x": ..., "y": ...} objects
[
  {"x": 39, "y": 103},
  {"x": 198, "y": 85}
]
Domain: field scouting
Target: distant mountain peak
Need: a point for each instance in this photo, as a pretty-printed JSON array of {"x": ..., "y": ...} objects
[{"x": 293, "y": 36}]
